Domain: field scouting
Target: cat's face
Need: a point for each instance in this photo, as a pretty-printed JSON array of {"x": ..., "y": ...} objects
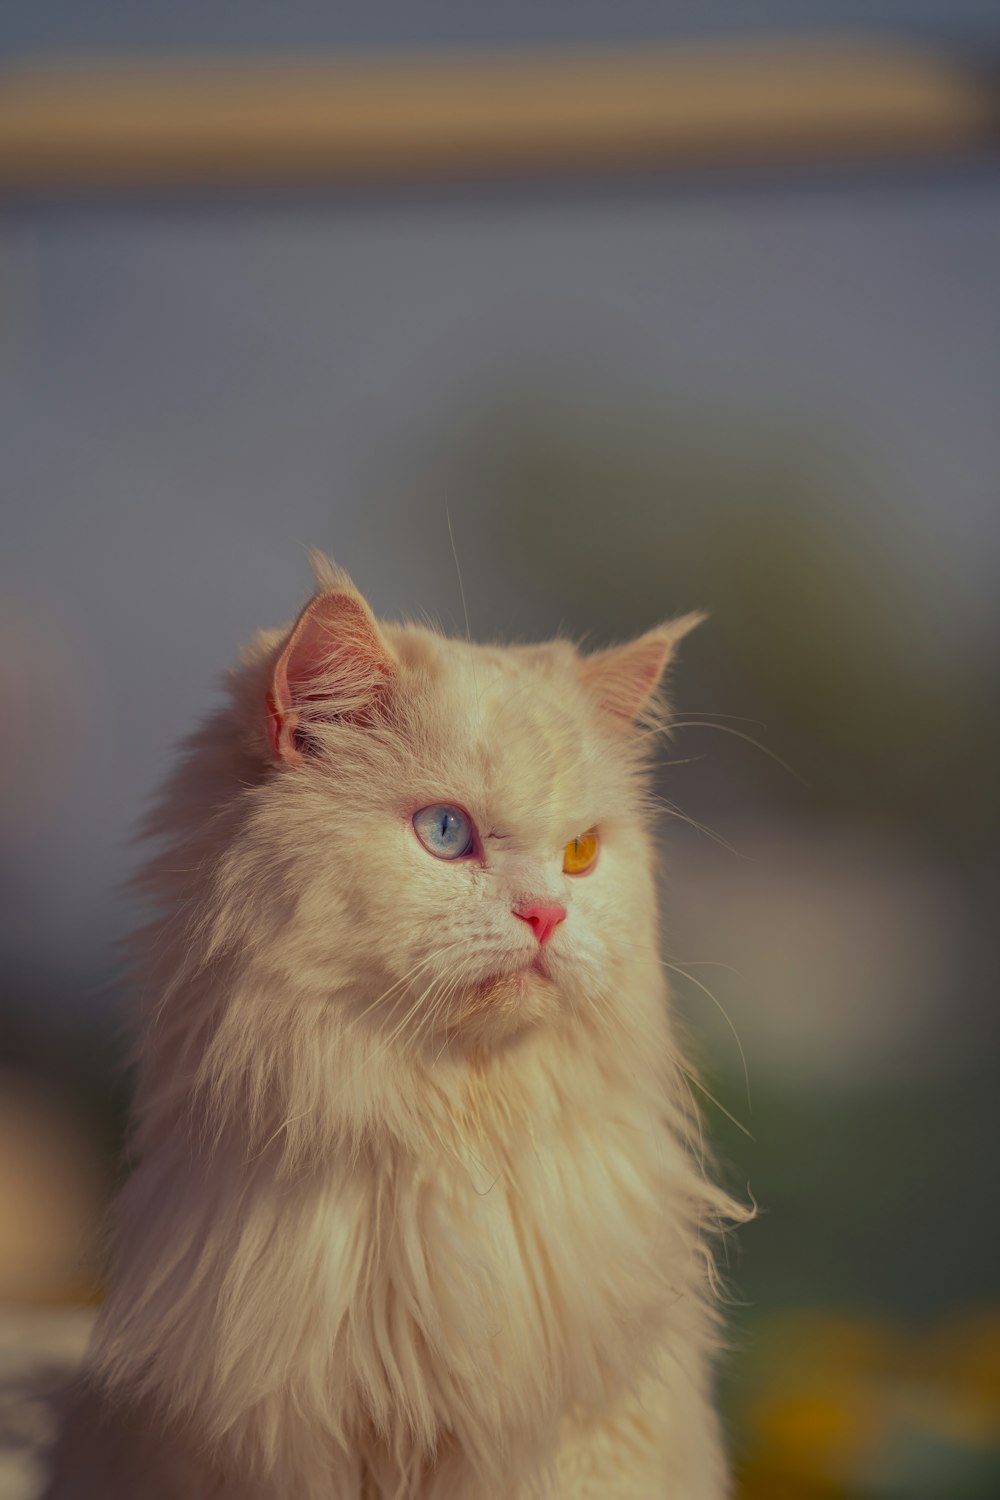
[{"x": 471, "y": 855}]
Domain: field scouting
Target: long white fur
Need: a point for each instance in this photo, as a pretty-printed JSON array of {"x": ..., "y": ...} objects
[{"x": 400, "y": 1224}]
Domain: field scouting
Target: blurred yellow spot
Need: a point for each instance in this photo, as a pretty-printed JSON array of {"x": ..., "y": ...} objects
[
  {"x": 816, "y": 1426},
  {"x": 836, "y": 1401}
]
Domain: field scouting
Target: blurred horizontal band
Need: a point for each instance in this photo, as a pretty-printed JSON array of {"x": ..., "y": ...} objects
[{"x": 148, "y": 125}]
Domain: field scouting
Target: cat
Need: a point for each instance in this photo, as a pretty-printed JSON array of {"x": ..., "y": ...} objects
[{"x": 414, "y": 1212}]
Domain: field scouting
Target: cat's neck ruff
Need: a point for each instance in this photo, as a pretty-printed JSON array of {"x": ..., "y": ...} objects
[{"x": 436, "y": 1272}]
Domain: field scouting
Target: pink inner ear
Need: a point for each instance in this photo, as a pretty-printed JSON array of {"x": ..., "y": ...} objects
[
  {"x": 276, "y": 731},
  {"x": 334, "y": 658},
  {"x": 624, "y": 677}
]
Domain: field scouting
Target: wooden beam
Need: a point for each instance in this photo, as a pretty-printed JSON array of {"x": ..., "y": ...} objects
[{"x": 145, "y": 125}]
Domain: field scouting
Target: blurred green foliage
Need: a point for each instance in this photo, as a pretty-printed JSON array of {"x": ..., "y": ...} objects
[{"x": 831, "y": 621}]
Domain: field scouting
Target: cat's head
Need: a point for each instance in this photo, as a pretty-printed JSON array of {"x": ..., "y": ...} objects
[{"x": 457, "y": 832}]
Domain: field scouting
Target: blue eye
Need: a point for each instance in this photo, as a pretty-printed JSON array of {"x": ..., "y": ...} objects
[{"x": 445, "y": 830}]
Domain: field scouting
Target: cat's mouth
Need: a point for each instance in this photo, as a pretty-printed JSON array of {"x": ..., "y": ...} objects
[
  {"x": 503, "y": 1003},
  {"x": 501, "y": 1006},
  {"x": 510, "y": 985},
  {"x": 532, "y": 968}
]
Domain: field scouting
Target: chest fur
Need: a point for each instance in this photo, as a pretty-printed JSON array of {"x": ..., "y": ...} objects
[{"x": 497, "y": 1288}]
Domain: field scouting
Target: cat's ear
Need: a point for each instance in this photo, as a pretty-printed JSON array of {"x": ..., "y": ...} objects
[
  {"x": 624, "y": 679},
  {"x": 334, "y": 664}
]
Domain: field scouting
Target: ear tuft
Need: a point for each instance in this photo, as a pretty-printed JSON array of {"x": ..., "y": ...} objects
[
  {"x": 329, "y": 577},
  {"x": 334, "y": 664},
  {"x": 624, "y": 679}
]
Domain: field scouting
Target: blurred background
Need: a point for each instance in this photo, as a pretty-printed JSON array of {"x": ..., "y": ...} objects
[{"x": 653, "y": 310}]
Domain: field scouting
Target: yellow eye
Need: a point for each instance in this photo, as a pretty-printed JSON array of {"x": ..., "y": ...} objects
[{"x": 580, "y": 854}]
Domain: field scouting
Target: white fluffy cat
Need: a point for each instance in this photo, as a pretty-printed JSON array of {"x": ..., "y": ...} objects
[{"x": 413, "y": 1212}]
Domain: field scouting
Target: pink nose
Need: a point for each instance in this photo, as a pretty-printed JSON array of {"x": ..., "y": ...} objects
[{"x": 544, "y": 917}]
